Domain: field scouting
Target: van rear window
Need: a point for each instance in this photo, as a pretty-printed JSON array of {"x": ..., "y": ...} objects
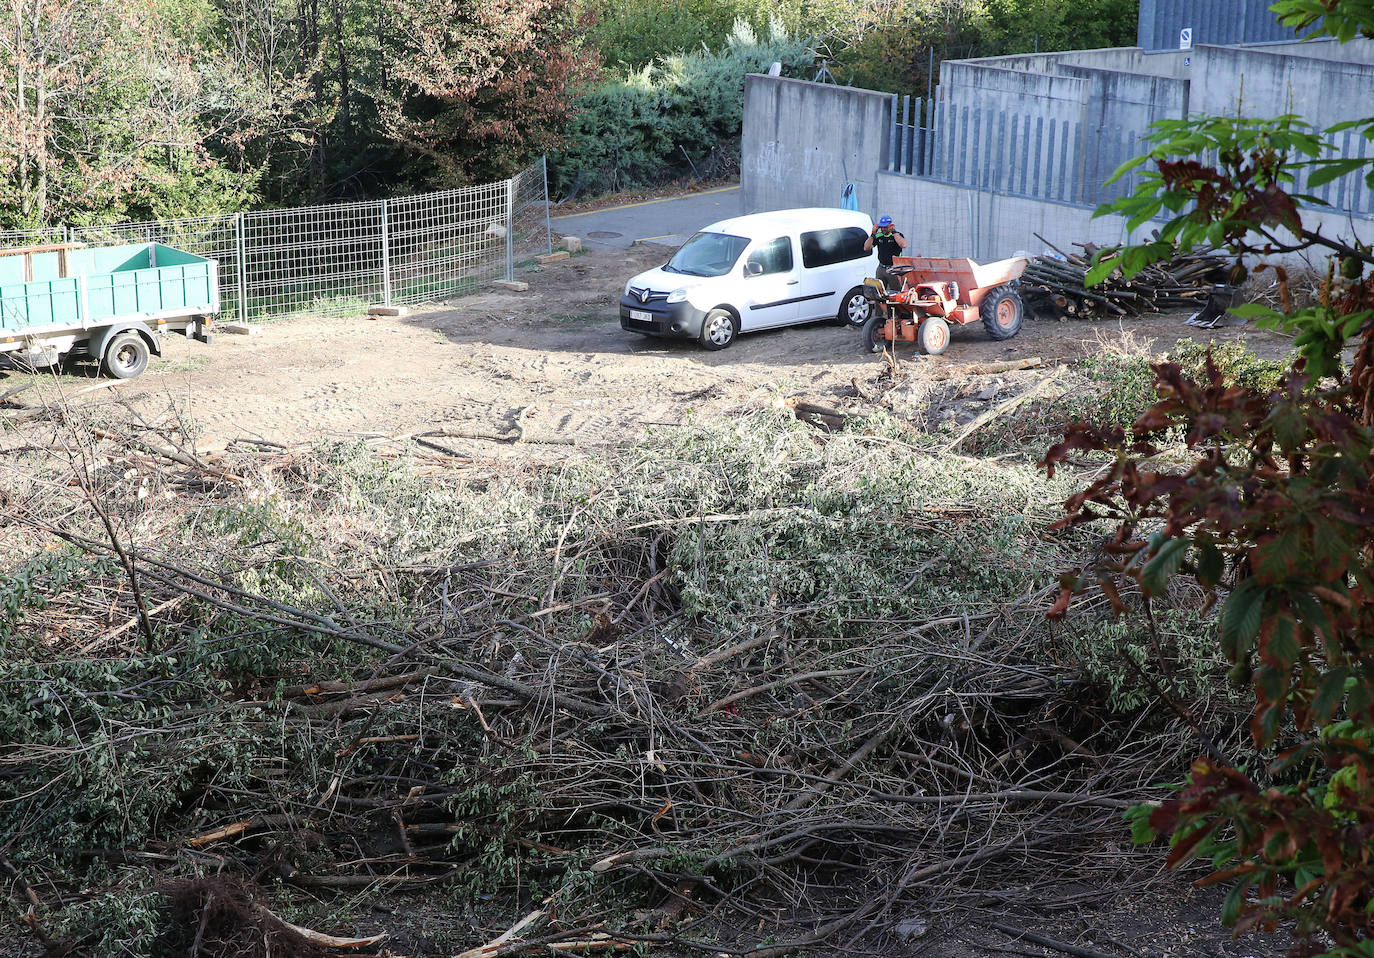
[{"x": 823, "y": 247}]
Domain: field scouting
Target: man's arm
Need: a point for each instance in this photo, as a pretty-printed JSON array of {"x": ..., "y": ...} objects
[
  {"x": 901, "y": 240},
  {"x": 868, "y": 243}
]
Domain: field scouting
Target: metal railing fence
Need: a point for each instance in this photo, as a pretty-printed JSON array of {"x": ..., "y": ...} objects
[
  {"x": 340, "y": 258},
  {"x": 1040, "y": 157},
  {"x": 38, "y": 237}
]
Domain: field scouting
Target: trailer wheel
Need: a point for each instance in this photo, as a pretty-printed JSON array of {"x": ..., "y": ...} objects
[
  {"x": 126, "y": 355},
  {"x": 855, "y": 308},
  {"x": 871, "y": 336},
  {"x": 1002, "y": 312},
  {"x": 932, "y": 337}
]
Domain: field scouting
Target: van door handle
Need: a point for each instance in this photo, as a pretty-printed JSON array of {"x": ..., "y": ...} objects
[{"x": 793, "y": 282}]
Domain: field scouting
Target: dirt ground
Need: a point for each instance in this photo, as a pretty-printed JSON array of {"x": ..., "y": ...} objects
[{"x": 552, "y": 360}]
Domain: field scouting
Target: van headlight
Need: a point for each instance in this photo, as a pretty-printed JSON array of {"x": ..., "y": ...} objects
[
  {"x": 627, "y": 289},
  {"x": 676, "y": 296}
]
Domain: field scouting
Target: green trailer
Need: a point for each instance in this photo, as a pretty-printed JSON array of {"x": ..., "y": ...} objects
[{"x": 110, "y": 303}]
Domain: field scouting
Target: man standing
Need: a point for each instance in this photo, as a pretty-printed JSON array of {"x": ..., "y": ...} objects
[{"x": 889, "y": 243}]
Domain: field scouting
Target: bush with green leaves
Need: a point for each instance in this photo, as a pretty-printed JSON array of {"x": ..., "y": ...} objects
[
  {"x": 1268, "y": 512},
  {"x": 630, "y": 34},
  {"x": 651, "y": 125},
  {"x": 1124, "y": 385}
]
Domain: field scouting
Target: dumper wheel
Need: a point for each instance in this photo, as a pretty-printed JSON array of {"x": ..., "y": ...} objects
[
  {"x": 126, "y": 356},
  {"x": 932, "y": 338},
  {"x": 1002, "y": 312},
  {"x": 872, "y": 334}
]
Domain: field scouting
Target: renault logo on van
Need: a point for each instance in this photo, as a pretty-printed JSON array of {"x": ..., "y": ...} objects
[{"x": 644, "y": 295}]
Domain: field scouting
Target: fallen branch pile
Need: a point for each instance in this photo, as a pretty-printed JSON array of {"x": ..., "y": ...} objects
[
  {"x": 658, "y": 712},
  {"x": 1053, "y": 288}
]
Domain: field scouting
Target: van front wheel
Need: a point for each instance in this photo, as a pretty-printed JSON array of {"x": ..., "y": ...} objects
[{"x": 718, "y": 329}]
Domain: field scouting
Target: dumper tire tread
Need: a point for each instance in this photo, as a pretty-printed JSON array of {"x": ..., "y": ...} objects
[
  {"x": 1002, "y": 312},
  {"x": 126, "y": 356},
  {"x": 872, "y": 342}
]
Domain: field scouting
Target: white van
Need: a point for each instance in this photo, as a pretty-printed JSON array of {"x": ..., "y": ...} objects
[{"x": 756, "y": 272}]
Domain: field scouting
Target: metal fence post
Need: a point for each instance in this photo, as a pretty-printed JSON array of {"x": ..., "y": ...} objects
[
  {"x": 242, "y": 269},
  {"x": 510, "y": 229},
  {"x": 548, "y": 220},
  {"x": 386, "y": 260}
]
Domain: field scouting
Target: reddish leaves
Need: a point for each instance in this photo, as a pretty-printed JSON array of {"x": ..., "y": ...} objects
[{"x": 1273, "y": 515}]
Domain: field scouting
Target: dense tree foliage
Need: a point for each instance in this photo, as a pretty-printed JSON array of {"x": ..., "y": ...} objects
[
  {"x": 186, "y": 107},
  {"x": 480, "y": 88},
  {"x": 1269, "y": 508},
  {"x": 168, "y": 107}
]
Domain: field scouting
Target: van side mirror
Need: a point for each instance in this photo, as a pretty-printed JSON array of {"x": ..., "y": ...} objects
[{"x": 753, "y": 268}]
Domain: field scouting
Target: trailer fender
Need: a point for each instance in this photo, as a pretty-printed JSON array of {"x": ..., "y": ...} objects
[{"x": 95, "y": 346}]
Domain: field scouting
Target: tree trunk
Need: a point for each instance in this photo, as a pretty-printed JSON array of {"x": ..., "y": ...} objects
[{"x": 341, "y": 42}]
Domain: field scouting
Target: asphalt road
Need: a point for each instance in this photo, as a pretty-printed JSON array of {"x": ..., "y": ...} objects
[{"x": 668, "y": 221}]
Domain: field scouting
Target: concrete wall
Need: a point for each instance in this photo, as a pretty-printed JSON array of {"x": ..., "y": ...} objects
[
  {"x": 1010, "y": 130},
  {"x": 803, "y": 141},
  {"x": 977, "y": 83},
  {"x": 944, "y": 220},
  {"x": 1359, "y": 50},
  {"x": 1268, "y": 81},
  {"x": 1121, "y": 59},
  {"x": 1055, "y": 129},
  {"x": 1130, "y": 100}
]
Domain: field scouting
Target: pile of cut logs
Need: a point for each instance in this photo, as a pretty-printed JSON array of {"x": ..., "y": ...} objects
[{"x": 1053, "y": 287}]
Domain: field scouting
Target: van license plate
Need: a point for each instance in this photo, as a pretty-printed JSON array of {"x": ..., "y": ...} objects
[{"x": 642, "y": 316}]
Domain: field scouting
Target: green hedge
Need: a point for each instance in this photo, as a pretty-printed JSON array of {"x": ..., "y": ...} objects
[{"x": 633, "y": 131}]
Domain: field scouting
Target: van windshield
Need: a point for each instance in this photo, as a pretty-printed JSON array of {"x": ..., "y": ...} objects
[{"x": 707, "y": 254}]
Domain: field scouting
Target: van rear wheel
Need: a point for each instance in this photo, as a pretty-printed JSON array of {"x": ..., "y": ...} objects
[{"x": 854, "y": 308}]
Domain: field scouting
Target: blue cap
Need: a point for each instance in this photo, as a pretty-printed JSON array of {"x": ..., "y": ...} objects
[{"x": 885, "y": 221}]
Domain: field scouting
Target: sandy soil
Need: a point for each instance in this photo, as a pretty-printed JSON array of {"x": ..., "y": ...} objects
[{"x": 553, "y": 359}]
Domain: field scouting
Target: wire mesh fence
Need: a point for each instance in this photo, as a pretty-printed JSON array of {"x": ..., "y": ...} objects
[
  {"x": 340, "y": 258},
  {"x": 39, "y": 237},
  {"x": 445, "y": 244},
  {"x": 327, "y": 260}
]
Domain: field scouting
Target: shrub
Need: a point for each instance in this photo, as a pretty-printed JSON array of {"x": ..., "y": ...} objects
[
  {"x": 634, "y": 33},
  {"x": 633, "y": 131},
  {"x": 1126, "y": 380}
]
